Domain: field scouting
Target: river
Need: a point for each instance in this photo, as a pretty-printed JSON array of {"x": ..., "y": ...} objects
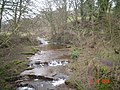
[{"x": 47, "y": 69}]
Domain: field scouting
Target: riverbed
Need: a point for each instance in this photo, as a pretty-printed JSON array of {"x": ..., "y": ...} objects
[{"x": 47, "y": 69}]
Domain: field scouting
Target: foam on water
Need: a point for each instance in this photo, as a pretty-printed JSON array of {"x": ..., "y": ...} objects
[
  {"x": 25, "y": 88},
  {"x": 58, "y": 63},
  {"x": 55, "y": 63},
  {"x": 58, "y": 82}
]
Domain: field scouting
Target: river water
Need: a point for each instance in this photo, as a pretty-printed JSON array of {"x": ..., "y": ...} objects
[{"x": 47, "y": 69}]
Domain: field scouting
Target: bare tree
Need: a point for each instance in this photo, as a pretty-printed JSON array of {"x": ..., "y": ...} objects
[{"x": 47, "y": 12}]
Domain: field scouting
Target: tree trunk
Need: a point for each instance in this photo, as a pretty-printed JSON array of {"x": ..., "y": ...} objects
[
  {"x": 1, "y": 14},
  {"x": 19, "y": 17}
]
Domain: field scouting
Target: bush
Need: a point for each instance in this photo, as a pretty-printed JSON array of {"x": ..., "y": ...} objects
[
  {"x": 3, "y": 40},
  {"x": 75, "y": 53}
]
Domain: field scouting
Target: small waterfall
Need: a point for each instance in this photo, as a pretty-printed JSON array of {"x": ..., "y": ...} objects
[{"x": 42, "y": 41}]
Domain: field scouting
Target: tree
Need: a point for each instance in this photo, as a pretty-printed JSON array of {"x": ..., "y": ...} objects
[
  {"x": 117, "y": 7},
  {"x": 81, "y": 9},
  {"x": 13, "y": 9},
  {"x": 47, "y": 12},
  {"x": 103, "y": 7},
  {"x": 1, "y": 12}
]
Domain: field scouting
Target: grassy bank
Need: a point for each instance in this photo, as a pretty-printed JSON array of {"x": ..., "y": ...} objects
[{"x": 94, "y": 68}]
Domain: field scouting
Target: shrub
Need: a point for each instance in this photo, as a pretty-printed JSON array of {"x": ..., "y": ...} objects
[
  {"x": 75, "y": 53},
  {"x": 3, "y": 40}
]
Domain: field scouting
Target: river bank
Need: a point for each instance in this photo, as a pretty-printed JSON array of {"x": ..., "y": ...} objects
[{"x": 13, "y": 60}]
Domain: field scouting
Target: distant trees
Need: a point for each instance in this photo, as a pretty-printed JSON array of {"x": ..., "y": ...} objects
[
  {"x": 91, "y": 13},
  {"x": 47, "y": 13},
  {"x": 60, "y": 14}
]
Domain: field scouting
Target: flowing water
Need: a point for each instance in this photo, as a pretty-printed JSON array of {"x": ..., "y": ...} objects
[{"x": 48, "y": 68}]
